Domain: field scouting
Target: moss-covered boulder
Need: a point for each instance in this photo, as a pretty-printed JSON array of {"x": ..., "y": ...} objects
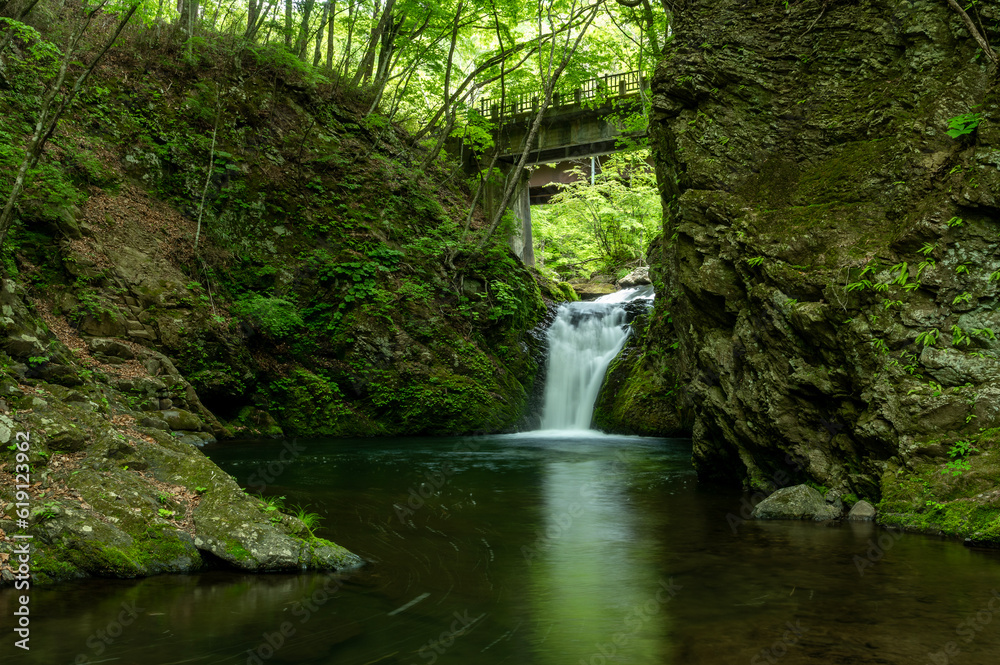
[{"x": 114, "y": 491}]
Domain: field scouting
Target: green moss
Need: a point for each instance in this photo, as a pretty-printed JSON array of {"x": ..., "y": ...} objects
[
  {"x": 640, "y": 393},
  {"x": 846, "y": 175},
  {"x": 304, "y": 402},
  {"x": 928, "y": 497},
  {"x": 50, "y": 564},
  {"x": 235, "y": 550}
]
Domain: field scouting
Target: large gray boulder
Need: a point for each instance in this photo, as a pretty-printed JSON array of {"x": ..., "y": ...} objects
[
  {"x": 800, "y": 502},
  {"x": 637, "y": 277},
  {"x": 862, "y": 512}
]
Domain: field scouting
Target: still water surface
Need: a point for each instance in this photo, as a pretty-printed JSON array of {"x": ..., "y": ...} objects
[{"x": 538, "y": 549}]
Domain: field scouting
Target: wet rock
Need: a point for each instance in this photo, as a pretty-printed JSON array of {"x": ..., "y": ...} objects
[
  {"x": 105, "y": 323},
  {"x": 64, "y": 436},
  {"x": 179, "y": 419},
  {"x": 593, "y": 290},
  {"x": 59, "y": 374},
  {"x": 256, "y": 422},
  {"x": 472, "y": 286},
  {"x": 154, "y": 422},
  {"x": 799, "y": 502},
  {"x": 637, "y": 277},
  {"x": 780, "y": 364},
  {"x": 23, "y": 345},
  {"x": 862, "y": 512},
  {"x": 189, "y": 438},
  {"x": 232, "y": 529}
]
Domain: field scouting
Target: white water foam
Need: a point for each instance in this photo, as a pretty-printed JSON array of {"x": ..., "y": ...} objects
[{"x": 583, "y": 340}]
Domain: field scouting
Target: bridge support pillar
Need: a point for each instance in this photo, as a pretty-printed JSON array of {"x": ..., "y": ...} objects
[
  {"x": 519, "y": 238},
  {"x": 521, "y": 241}
]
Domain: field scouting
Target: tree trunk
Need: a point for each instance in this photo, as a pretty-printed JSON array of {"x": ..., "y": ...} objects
[
  {"x": 345, "y": 58},
  {"x": 303, "y": 37},
  {"x": 367, "y": 63},
  {"x": 288, "y": 24},
  {"x": 252, "y": 13},
  {"x": 329, "y": 34},
  {"x": 318, "y": 53}
]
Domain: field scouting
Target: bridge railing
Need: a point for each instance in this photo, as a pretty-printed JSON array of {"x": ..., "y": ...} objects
[{"x": 610, "y": 86}]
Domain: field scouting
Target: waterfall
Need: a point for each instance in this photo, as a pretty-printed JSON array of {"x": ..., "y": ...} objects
[{"x": 583, "y": 340}]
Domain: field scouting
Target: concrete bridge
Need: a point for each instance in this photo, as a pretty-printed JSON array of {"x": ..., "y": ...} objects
[{"x": 574, "y": 132}]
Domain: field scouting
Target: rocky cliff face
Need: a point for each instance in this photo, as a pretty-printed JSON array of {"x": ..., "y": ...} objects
[{"x": 831, "y": 261}]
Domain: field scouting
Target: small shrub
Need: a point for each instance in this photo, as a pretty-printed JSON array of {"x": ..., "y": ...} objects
[
  {"x": 963, "y": 124},
  {"x": 275, "y": 316}
]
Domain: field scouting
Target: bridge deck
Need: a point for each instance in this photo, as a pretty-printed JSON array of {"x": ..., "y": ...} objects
[{"x": 596, "y": 91}]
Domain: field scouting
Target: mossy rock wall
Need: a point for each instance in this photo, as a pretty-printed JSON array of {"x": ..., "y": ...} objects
[
  {"x": 818, "y": 221},
  {"x": 333, "y": 291}
]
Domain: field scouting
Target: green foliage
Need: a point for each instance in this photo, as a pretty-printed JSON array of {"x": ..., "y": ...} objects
[
  {"x": 904, "y": 273},
  {"x": 357, "y": 281},
  {"x": 270, "y": 504},
  {"x": 277, "y": 317},
  {"x": 507, "y": 302},
  {"x": 958, "y": 336},
  {"x": 959, "y": 453},
  {"x": 276, "y": 56},
  {"x": 928, "y": 338},
  {"x": 47, "y": 511},
  {"x": 963, "y": 124},
  {"x": 610, "y": 222},
  {"x": 310, "y": 519}
]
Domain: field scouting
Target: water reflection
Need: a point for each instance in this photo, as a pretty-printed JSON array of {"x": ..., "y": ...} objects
[
  {"x": 593, "y": 590},
  {"x": 536, "y": 550}
]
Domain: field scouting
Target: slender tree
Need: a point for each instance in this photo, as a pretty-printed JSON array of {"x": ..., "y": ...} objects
[
  {"x": 56, "y": 101},
  {"x": 552, "y": 71}
]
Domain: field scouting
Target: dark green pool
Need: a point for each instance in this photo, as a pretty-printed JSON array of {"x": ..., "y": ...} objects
[{"x": 537, "y": 550}]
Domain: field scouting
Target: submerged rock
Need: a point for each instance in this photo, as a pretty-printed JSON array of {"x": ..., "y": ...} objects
[{"x": 800, "y": 502}]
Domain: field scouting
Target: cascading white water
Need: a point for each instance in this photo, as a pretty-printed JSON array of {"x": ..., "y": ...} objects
[{"x": 583, "y": 340}]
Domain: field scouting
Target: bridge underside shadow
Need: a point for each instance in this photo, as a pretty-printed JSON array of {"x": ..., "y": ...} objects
[{"x": 568, "y": 137}]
